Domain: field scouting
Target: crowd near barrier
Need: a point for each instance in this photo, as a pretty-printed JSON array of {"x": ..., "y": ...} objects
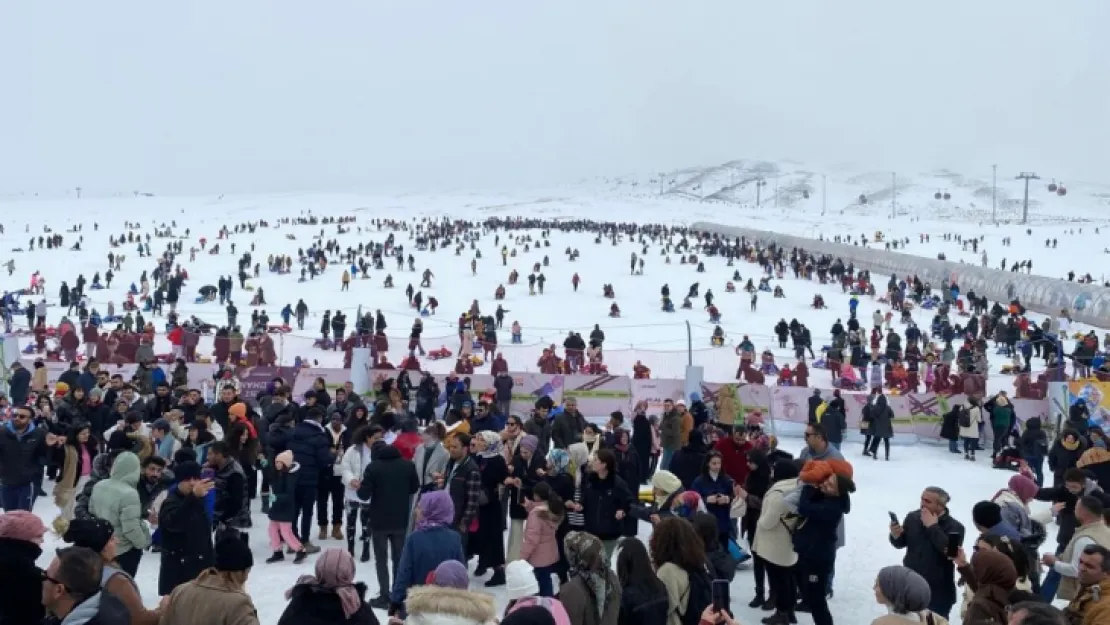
[
  {"x": 778, "y": 408},
  {"x": 1087, "y": 303}
]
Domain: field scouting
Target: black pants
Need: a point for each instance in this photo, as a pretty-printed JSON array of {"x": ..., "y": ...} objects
[
  {"x": 815, "y": 587},
  {"x": 331, "y": 488},
  {"x": 875, "y": 446},
  {"x": 394, "y": 540},
  {"x": 783, "y": 587},
  {"x": 354, "y": 511},
  {"x": 866, "y": 444},
  {"x": 304, "y": 498},
  {"x": 129, "y": 561}
]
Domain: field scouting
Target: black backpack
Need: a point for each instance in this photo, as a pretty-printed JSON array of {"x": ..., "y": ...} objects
[
  {"x": 698, "y": 597},
  {"x": 964, "y": 418}
]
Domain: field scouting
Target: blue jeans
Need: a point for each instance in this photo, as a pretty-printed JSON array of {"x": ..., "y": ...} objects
[
  {"x": 970, "y": 444},
  {"x": 543, "y": 579},
  {"x": 665, "y": 461},
  {"x": 17, "y": 497}
]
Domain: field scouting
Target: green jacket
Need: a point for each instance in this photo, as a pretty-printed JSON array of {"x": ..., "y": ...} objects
[{"x": 116, "y": 500}]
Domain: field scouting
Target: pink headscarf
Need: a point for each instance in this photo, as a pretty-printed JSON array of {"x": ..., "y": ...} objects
[{"x": 335, "y": 570}]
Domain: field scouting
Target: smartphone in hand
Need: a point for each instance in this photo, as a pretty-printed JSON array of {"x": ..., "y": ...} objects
[
  {"x": 953, "y": 545},
  {"x": 894, "y": 519},
  {"x": 720, "y": 595}
]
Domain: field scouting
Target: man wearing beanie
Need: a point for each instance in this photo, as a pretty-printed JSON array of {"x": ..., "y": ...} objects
[
  {"x": 987, "y": 517},
  {"x": 184, "y": 523},
  {"x": 218, "y": 595}
]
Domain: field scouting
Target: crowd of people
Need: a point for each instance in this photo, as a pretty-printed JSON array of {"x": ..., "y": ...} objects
[{"x": 548, "y": 508}]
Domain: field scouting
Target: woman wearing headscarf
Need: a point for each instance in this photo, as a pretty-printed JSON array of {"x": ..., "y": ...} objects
[
  {"x": 331, "y": 597},
  {"x": 432, "y": 542},
  {"x": 525, "y": 472},
  {"x": 906, "y": 595},
  {"x": 995, "y": 576},
  {"x": 487, "y": 541},
  {"x": 561, "y": 481},
  {"x": 592, "y": 594},
  {"x": 1016, "y": 553}
]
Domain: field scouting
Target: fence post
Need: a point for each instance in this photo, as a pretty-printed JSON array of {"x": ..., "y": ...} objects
[{"x": 689, "y": 346}]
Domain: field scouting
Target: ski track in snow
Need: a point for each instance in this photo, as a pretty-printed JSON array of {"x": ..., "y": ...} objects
[{"x": 642, "y": 333}]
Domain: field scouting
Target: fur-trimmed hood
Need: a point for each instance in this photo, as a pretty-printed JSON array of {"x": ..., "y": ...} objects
[{"x": 434, "y": 605}]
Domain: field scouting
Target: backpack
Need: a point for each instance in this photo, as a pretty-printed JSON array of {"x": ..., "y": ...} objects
[
  {"x": 698, "y": 597},
  {"x": 965, "y": 418}
]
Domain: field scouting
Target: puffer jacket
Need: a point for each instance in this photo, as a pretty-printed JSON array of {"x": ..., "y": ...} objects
[
  {"x": 352, "y": 467},
  {"x": 116, "y": 500},
  {"x": 101, "y": 470},
  {"x": 433, "y": 605}
]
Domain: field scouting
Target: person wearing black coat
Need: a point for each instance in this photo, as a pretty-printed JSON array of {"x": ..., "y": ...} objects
[
  {"x": 1034, "y": 447},
  {"x": 314, "y": 604},
  {"x": 835, "y": 424},
  {"x": 184, "y": 526},
  {"x": 814, "y": 403},
  {"x": 20, "y": 577},
  {"x": 879, "y": 413},
  {"x": 641, "y": 442},
  {"x": 389, "y": 482},
  {"x": 1064, "y": 455},
  {"x": 950, "y": 428},
  {"x": 927, "y": 547},
  {"x": 606, "y": 501},
  {"x": 688, "y": 461},
  {"x": 1079, "y": 417},
  {"x": 815, "y": 539},
  {"x": 19, "y": 384},
  {"x": 311, "y": 447},
  {"x": 628, "y": 469}
]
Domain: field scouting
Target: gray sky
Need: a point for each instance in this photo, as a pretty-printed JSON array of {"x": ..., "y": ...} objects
[{"x": 199, "y": 96}]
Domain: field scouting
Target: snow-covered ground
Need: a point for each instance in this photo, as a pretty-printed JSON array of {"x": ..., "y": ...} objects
[{"x": 642, "y": 333}]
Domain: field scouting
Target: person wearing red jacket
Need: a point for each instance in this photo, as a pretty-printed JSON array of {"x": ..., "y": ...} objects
[{"x": 734, "y": 455}]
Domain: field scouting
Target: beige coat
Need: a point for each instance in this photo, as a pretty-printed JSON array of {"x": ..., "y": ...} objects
[
  {"x": 582, "y": 607},
  {"x": 677, "y": 582},
  {"x": 773, "y": 541},
  {"x": 209, "y": 600},
  {"x": 39, "y": 380}
]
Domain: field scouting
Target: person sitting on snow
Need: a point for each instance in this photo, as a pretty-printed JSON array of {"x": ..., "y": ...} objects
[
  {"x": 686, "y": 304},
  {"x": 718, "y": 338},
  {"x": 614, "y": 311},
  {"x": 668, "y": 305}
]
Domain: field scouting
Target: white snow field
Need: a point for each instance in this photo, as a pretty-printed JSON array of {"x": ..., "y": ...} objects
[{"x": 642, "y": 333}]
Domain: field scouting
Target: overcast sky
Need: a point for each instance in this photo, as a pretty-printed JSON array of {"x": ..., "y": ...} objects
[{"x": 199, "y": 96}]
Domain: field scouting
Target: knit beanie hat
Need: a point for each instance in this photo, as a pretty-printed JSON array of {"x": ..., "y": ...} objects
[
  {"x": 238, "y": 409},
  {"x": 91, "y": 532},
  {"x": 1023, "y": 487},
  {"x": 233, "y": 554},
  {"x": 520, "y": 581},
  {"x": 451, "y": 574},
  {"x": 21, "y": 525},
  {"x": 530, "y": 443},
  {"x": 118, "y": 441},
  {"x": 666, "y": 482},
  {"x": 285, "y": 458},
  {"x": 986, "y": 514},
  {"x": 188, "y": 470}
]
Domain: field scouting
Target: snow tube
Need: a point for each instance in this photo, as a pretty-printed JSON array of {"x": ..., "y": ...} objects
[
  {"x": 112, "y": 319},
  {"x": 199, "y": 300},
  {"x": 29, "y": 348},
  {"x": 323, "y": 344},
  {"x": 96, "y": 287},
  {"x": 275, "y": 329}
]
